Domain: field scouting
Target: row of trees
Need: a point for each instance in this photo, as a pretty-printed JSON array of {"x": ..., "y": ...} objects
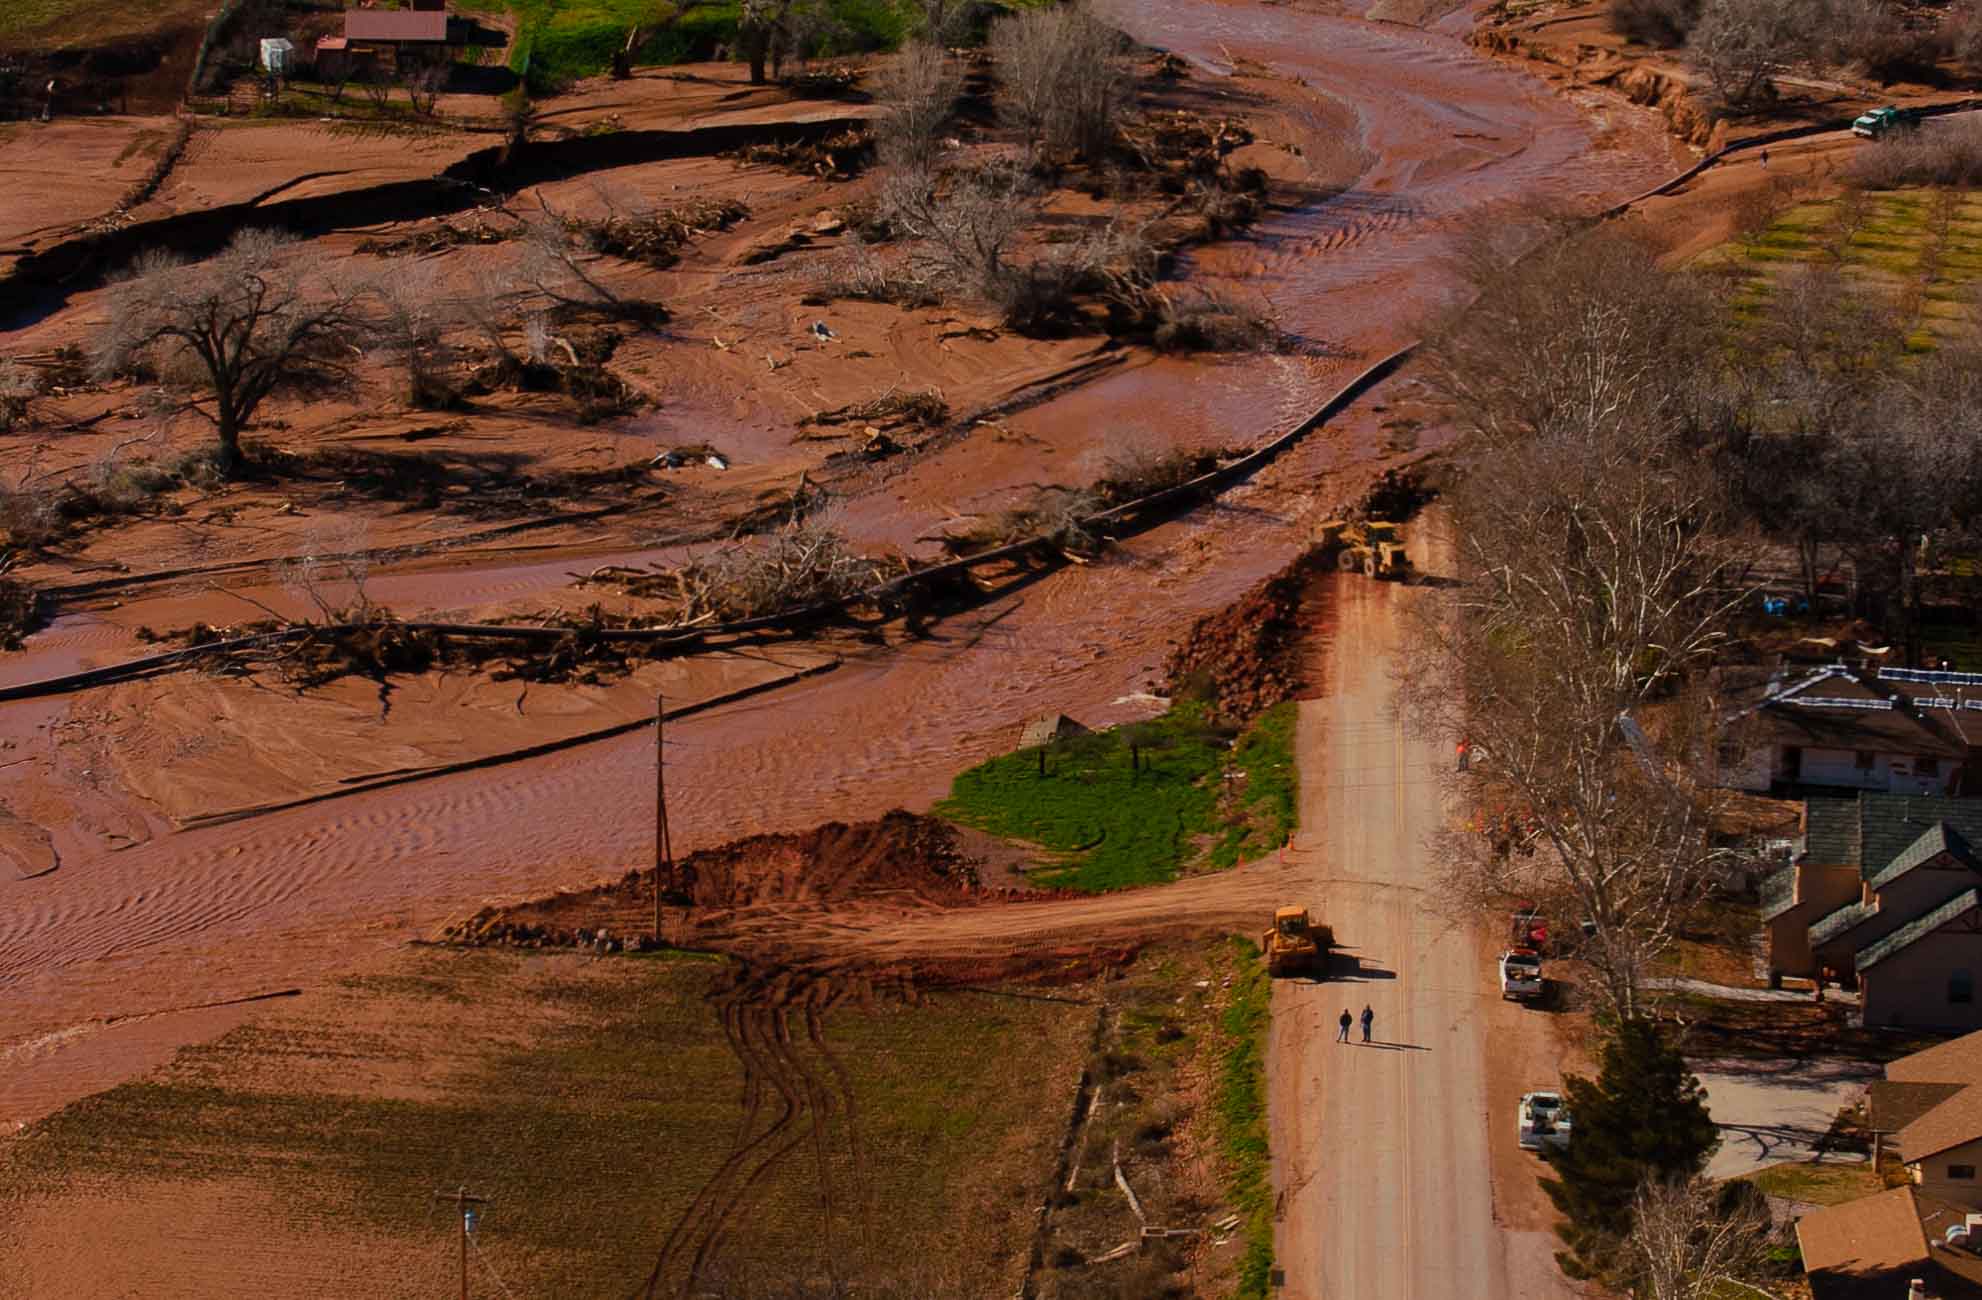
[
  {"x": 1639, "y": 438},
  {"x": 1742, "y": 46},
  {"x": 217, "y": 338}
]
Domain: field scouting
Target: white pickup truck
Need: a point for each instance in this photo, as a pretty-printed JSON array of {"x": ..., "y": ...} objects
[
  {"x": 1544, "y": 1121},
  {"x": 1521, "y": 975}
]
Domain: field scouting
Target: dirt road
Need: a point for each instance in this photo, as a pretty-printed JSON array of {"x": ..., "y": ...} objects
[{"x": 1386, "y": 1162}]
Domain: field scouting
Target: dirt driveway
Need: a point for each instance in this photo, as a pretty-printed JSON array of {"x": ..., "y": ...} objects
[{"x": 1397, "y": 1165}]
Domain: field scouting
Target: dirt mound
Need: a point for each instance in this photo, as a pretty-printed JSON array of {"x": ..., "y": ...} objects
[
  {"x": 901, "y": 856},
  {"x": 1245, "y": 658}
]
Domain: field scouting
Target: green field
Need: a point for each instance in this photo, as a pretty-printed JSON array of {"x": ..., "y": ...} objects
[
  {"x": 1922, "y": 247},
  {"x": 93, "y": 20},
  {"x": 1137, "y": 805},
  {"x": 593, "y": 1101},
  {"x": 560, "y": 40}
]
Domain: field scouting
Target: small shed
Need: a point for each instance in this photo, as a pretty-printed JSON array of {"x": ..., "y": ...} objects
[
  {"x": 275, "y": 54},
  {"x": 333, "y": 58},
  {"x": 1046, "y": 730}
]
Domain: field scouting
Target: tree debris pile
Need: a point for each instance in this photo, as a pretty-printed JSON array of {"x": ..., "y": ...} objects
[
  {"x": 655, "y": 236},
  {"x": 375, "y": 644},
  {"x": 800, "y": 566},
  {"x": 1246, "y": 658},
  {"x": 437, "y": 238},
  {"x": 1060, "y": 516},
  {"x": 894, "y": 407},
  {"x": 1181, "y": 142},
  {"x": 839, "y": 157}
]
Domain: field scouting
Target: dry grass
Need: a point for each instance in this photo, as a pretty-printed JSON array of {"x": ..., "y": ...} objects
[{"x": 592, "y": 1100}]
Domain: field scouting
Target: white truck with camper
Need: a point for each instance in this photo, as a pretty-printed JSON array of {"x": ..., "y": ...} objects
[
  {"x": 1521, "y": 975},
  {"x": 1544, "y": 1122}
]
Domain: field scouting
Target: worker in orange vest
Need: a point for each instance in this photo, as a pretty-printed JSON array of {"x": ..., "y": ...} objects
[{"x": 1465, "y": 753}]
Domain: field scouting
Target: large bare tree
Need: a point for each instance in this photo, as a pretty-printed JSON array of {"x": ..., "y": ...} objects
[
  {"x": 1061, "y": 77},
  {"x": 1596, "y": 570},
  {"x": 1691, "y": 1238},
  {"x": 242, "y": 325}
]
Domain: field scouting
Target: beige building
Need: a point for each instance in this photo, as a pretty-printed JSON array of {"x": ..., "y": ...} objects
[{"x": 1886, "y": 894}]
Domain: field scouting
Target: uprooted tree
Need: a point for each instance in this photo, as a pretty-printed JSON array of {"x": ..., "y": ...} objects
[{"x": 236, "y": 328}]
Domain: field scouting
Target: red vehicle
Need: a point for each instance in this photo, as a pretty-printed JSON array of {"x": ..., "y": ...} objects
[{"x": 1527, "y": 928}]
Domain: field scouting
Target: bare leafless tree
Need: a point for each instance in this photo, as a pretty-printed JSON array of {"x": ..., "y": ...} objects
[
  {"x": 18, "y": 388},
  {"x": 1580, "y": 335},
  {"x": 967, "y": 231},
  {"x": 330, "y": 574},
  {"x": 424, "y": 84},
  {"x": 1741, "y": 46},
  {"x": 946, "y": 22},
  {"x": 416, "y": 315},
  {"x": 1596, "y": 582},
  {"x": 1690, "y": 1238},
  {"x": 249, "y": 322},
  {"x": 1061, "y": 78},
  {"x": 919, "y": 90}
]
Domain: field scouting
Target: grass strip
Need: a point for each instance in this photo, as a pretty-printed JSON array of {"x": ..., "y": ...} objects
[
  {"x": 1135, "y": 805},
  {"x": 1240, "y": 1116}
]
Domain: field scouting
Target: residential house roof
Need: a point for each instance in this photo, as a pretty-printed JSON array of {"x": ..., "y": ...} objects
[
  {"x": 1955, "y": 1122},
  {"x": 1952, "y": 699},
  {"x": 1871, "y": 831},
  {"x": 1938, "y": 839},
  {"x": 1854, "y": 1251},
  {"x": 1839, "y": 707},
  {"x": 395, "y": 24},
  {"x": 1959, "y": 1060},
  {"x": 1896, "y": 1105},
  {"x": 1832, "y": 924},
  {"x": 1869, "y": 1249},
  {"x": 1914, "y": 931},
  {"x": 1778, "y": 892}
]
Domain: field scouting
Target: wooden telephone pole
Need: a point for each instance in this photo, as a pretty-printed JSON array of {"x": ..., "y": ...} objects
[
  {"x": 663, "y": 850},
  {"x": 462, "y": 1201}
]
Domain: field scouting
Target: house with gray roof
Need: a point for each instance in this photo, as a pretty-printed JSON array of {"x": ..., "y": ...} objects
[
  {"x": 1841, "y": 727},
  {"x": 1887, "y": 896}
]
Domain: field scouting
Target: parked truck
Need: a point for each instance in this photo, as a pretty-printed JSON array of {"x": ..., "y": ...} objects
[
  {"x": 1881, "y": 122},
  {"x": 1521, "y": 977}
]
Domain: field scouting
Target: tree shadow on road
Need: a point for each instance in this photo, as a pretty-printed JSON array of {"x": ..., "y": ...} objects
[{"x": 1349, "y": 969}]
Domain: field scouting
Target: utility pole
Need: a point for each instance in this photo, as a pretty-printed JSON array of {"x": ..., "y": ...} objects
[
  {"x": 462, "y": 1201},
  {"x": 663, "y": 850}
]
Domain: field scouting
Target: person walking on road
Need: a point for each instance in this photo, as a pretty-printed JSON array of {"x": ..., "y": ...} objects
[
  {"x": 1343, "y": 1037},
  {"x": 1369, "y": 1018}
]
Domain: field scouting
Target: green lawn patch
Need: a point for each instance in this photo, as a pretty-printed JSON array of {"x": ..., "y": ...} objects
[
  {"x": 1136, "y": 805},
  {"x": 1831, "y": 1183},
  {"x": 559, "y": 41},
  {"x": 1240, "y": 1117}
]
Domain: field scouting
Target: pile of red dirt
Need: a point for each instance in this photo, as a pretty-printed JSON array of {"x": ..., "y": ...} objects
[
  {"x": 1246, "y": 658},
  {"x": 903, "y": 857}
]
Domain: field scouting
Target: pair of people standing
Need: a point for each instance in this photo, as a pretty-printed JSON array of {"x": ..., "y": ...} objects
[{"x": 1369, "y": 1018}]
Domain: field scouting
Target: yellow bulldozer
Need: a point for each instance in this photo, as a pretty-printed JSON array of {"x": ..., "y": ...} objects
[
  {"x": 1296, "y": 945},
  {"x": 1368, "y": 546}
]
